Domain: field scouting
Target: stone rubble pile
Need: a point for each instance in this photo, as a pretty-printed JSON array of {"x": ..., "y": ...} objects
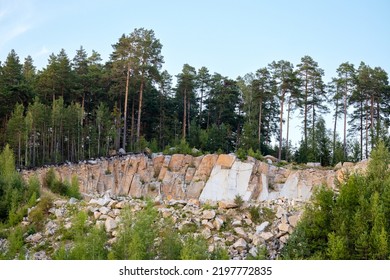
[{"x": 223, "y": 225}]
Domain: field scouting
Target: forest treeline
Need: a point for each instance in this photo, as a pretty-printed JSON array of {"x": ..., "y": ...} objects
[{"x": 82, "y": 107}]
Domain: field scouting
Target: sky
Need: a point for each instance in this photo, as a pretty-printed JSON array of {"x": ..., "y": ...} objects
[{"x": 228, "y": 37}]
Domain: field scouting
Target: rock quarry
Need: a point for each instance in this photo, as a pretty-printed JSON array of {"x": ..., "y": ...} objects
[
  {"x": 209, "y": 178},
  {"x": 198, "y": 191}
]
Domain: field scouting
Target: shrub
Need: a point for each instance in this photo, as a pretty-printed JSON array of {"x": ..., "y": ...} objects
[
  {"x": 73, "y": 190},
  {"x": 195, "y": 248},
  {"x": 40, "y": 211},
  {"x": 242, "y": 154},
  {"x": 15, "y": 244},
  {"x": 62, "y": 188},
  {"x": 136, "y": 238},
  {"x": 238, "y": 200},
  {"x": 170, "y": 245},
  {"x": 254, "y": 211},
  {"x": 49, "y": 179},
  {"x": 257, "y": 155},
  {"x": 220, "y": 253},
  {"x": 352, "y": 224}
]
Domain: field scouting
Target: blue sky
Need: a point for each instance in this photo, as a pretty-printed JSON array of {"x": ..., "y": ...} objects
[{"x": 229, "y": 37}]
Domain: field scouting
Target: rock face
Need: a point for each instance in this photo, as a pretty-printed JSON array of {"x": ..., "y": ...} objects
[{"x": 208, "y": 178}]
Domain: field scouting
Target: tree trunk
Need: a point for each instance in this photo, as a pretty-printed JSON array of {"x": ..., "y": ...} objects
[
  {"x": 19, "y": 149},
  {"x": 361, "y": 129},
  {"x": 378, "y": 122},
  {"x": 34, "y": 149},
  {"x": 372, "y": 120},
  {"x": 201, "y": 105},
  {"x": 314, "y": 131},
  {"x": 189, "y": 116},
  {"x": 141, "y": 90},
  {"x": 259, "y": 127},
  {"x": 125, "y": 110},
  {"x": 305, "y": 111},
  {"x": 288, "y": 126},
  {"x": 132, "y": 123},
  {"x": 334, "y": 132},
  {"x": 98, "y": 143},
  {"x": 367, "y": 117},
  {"x": 281, "y": 125},
  {"x": 345, "y": 124},
  {"x": 184, "y": 114}
]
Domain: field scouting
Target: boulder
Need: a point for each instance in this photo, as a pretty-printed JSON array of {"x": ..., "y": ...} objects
[
  {"x": 271, "y": 158},
  {"x": 240, "y": 244},
  {"x": 284, "y": 227},
  {"x": 348, "y": 164},
  {"x": 293, "y": 220},
  {"x": 313, "y": 164},
  {"x": 34, "y": 238},
  {"x": 208, "y": 214},
  {"x": 262, "y": 227},
  {"x": 206, "y": 232},
  {"x": 218, "y": 223},
  {"x": 338, "y": 166},
  {"x": 253, "y": 251},
  {"x": 110, "y": 224},
  {"x": 240, "y": 232},
  {"x": 266, "y": 235},
  {"x": 227, "y": 204}
]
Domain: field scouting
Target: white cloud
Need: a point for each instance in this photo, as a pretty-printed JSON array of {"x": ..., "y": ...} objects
[{"x": 16, "y": 18}]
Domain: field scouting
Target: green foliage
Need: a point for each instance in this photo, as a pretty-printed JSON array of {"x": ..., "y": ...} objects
[
  {"x": 170, "y": 245},
  {"x": 15, "y": 244},
  {"x": 262, "y": 254},
  {"x": 89, "y": 246},
  {"x": 350, "y": 225},
  {"x": 63, "y": 188},
  {"x": 195, "y": 248},
  {"x": 15, "y": 195},
  {"x": 188, "y": 228},
  {"x": 136, "y": 238},
  {"x": 33, "y": 190},
  {"x": 238, "y": 201},
  {"x": 220, "y": 253},
  {"x": 241, "y": 154},
  {"x": 254, "y": 212},
  {"x": 89, "y": 243},
  {"x": 40, "y": 212},
  {"x": 73, "y": 190}
]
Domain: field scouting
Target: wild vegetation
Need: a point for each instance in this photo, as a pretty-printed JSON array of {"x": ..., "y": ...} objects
[
  {"x": 351, "y": 224},
  {"x": 80, "y": 107}
]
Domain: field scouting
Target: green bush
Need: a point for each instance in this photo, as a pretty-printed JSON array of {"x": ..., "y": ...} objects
[
  {"x": 254, "y": 211},
  {"x": 170, "y": 245},
  {"x": 238, "y": 200},
  {"x": 89, "y": 244},
  {"x": 137, "y": 235},
  {"x": 15, "y": 244},
  {"x": 62, "y": 188},
  {"x": 39, "y": 213},
  {"x": 220, "y": 253},
  {"x": 352, "y": 224},
  {"x": 242, "y": 154},
  {"x": 73, "y": 189},
  {"x": 195, "y": 248}
]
